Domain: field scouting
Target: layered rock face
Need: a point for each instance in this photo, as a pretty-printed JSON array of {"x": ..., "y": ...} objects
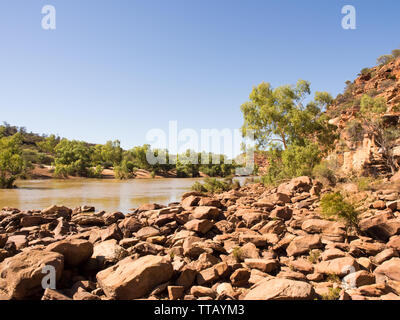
[
  {"x": 363, "y": 155},
  {"x": 251, "y": 243}
]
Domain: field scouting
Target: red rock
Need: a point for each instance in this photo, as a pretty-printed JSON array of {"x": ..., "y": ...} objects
[
  {"x": 132, "y": 279},
  {"x": 281, "y": 289},
  {"x": 264, "y": 265},
  {"x": 21, "y": 275},
  {"x": 75, "y": 251},
  {"x": 303, "y": 244},
  {"x": 201, "y": 226},
  {"x": 339, "y": 266},
  {"x": 388, "y": 270},
  {"x": 240, "y": 277}
]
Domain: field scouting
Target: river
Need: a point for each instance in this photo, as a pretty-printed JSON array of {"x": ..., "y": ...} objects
[{"x": 108, "y": 195}]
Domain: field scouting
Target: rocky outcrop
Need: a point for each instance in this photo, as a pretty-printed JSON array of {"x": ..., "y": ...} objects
[
  {"x": 358, "y": 152},
  {"x": 252, "y": 243}
]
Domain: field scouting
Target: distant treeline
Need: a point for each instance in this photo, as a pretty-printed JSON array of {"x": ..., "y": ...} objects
[{"x": 20, "y": 150}]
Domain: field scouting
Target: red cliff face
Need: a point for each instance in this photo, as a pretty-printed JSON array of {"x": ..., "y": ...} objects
[{"x": 357, "y": 151}]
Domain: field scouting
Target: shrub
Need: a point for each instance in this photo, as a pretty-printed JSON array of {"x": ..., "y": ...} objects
[
  {"x": 396, "y": 53},
  {"x": 293, "y": 162},
  {"x": 237, "y": 253},
  {"x": 396, "y": 108},
  {"x": 333, "y": 294},
  {"x": 12, "y": 164},
  {"x": 125, "y": 170},
  {"x": 323, "y": 171},
  {"x": 385, "y": 59},
  {"x": 374, "y": 105},
  {"x": 314, "y": 256},
  {"x": 364, "y": 183},
  {"x": 214, "y": 185},
  {"x": 365, "y": 71},
  {"x": 355, "y": 131},
  {"x": 334, "y": 205}
]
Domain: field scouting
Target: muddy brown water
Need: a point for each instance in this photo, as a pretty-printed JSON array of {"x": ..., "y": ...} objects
[{"x": 107, "y": 195}]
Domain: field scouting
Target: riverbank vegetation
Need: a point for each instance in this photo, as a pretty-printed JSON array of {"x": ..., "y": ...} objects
[
  {"x": 296, "y": 135},
  {"x": 20, "y": 150}
]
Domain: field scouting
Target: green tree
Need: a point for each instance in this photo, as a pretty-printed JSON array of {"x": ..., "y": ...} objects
[
  {"x": 385, "y": 59},
  {"x": 12, "y": 164},
  {"x": 279, "y": 115},
  {"x": 73, "y": 158},
  {"x": 49, "y": 144},
  {"x": 334, "y": 205}
]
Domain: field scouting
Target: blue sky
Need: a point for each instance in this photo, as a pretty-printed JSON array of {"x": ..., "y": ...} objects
[{"x": 116, "y": 69}]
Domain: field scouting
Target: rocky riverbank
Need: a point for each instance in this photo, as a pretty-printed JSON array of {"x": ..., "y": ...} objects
[{"x": 252, "y": 243}]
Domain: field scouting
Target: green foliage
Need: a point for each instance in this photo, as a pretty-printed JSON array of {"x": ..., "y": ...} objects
[
  {"x": 385, "y": 59},
  {"x": 396, "y": 53},
  {"x": 293, "y": 162},
  {"x": 333, "y": 278},
  {"x": 49, "y": 144},
  {"x": 125, "y": 170},
  {"x": 372, "y": 105},
  {"x": 237, "y": 254},
  {"x": 213, "y": 185},
  {"x": 355, "y": 131},
  {"x": 279, "y": 115},
  {"x": 107, "y": 155},
  {"x": 364, "y": 183},
  {"x": 365, "y": 71},
  {"x": 12, "y": 164},
  {"x": 73, "y": 158},
  {"x": 333, "y": 294},
  {"x": 314, "y": 256},
  {"x": 324, "y": 171},
  {"x": 334, "y": 205}
]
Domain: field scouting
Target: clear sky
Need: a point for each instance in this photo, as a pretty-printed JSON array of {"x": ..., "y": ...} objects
[{"x": 116, "y": 69}]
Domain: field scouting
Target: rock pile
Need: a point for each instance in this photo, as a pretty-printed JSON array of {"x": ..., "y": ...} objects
[{"x": 252, "y": 243}]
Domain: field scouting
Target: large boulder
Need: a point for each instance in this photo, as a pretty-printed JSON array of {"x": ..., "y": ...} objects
[
  {"x": 57, "y": 212},
  {"x": 75, "y": 251},
  {"x": 132, "y": 279},
  {"x": 388, "y": 270},
  {"x": 323, "y": 226},
  {"x": 108, "y": 252},
  {"x": 380, "y": 227},
  {"x": 206, "y": 212},
  {"x": 303, "y": 244},
  {"x": 300, "y": 184},
  {"x": 281, "y": 289},
  {"x": 338, "y": 266},
  {"x": 21, "y": 275}
]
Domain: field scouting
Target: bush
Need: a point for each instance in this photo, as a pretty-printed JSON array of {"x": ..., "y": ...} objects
[
  {"x": 396, "y": 53},
  {"x": 364, "y": 183},
  {"x": 374, "y": 105},
  {"x": 355, "y": 131},
  {"x": 333, "y": 294},
  {"x": 314, "y": 256},
  {"x": 213, "y": 185},
  {"x": 125, "y": 170},
  {"x": 293, "y": 162},
  {"x": 323, "y": 171},
  {"x": 73, "y": 158},
  {"x": 365, "y": 71},
  {"x": 334, "y": 205},
  {"x": 385, "y": 59},
  {"x": 12, "y": 164}
]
